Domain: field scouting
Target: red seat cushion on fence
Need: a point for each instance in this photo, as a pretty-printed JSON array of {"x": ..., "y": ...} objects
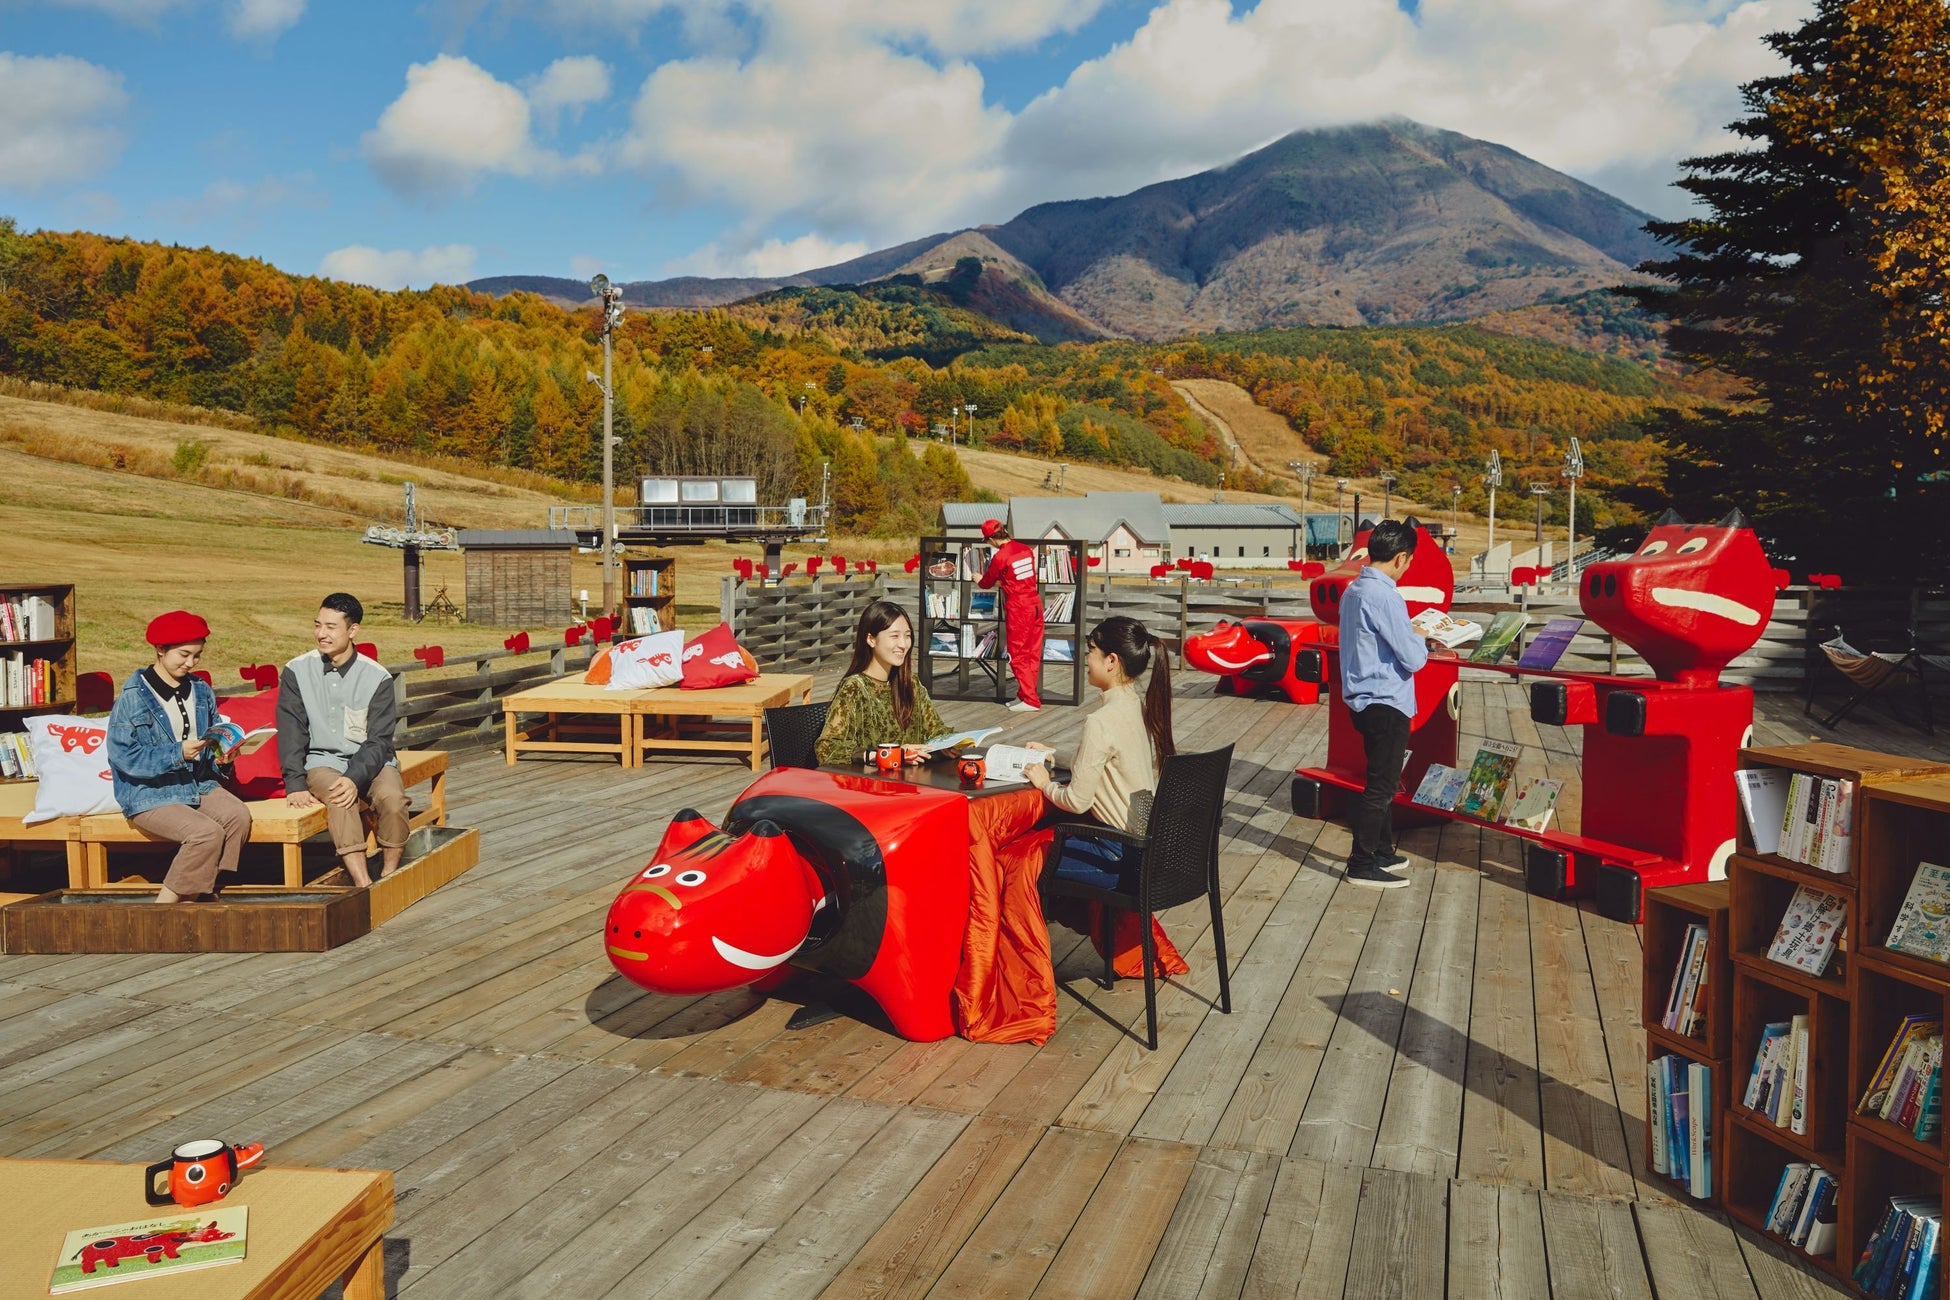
[
  {"x": 715, "y": 658},
  {"x": 256, "y": 775}
]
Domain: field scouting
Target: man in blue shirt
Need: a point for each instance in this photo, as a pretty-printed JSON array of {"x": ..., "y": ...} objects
[{"x": 1380, "y": 654}]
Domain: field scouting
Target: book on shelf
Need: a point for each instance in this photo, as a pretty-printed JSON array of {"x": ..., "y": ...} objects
[
  {"x": 26, "y": 618},
  {"x": 1804, "y": 1193},
  {"x": 1499, "y": 636},
  {"x": 1550, "y": 643},
  {"x": 1922, "y": 924},
  {"x": 975, "y": 559},
  {"x": 1680, "y": 1103},
  {"x": 1763, "y": 802},
  {"x": 1809, "y": 928},
  {"x": 1060, "y": 607},
  {"x": 1489, "y": 780},
  {"x": 16, "y": 756},
  {"x": 1770, "y": 1063},
  {"x": 1441, "y": 786},
  {"x": 1054, "y": 565},
  {"x": 1685, "y": 996},
  {"x": 1059, "y": 650},
  {"x": 1817, "y": 822},
  {"x": 945, "y": 604},
  {"x": 1901, "y": 1260},
  {"x": 1905, "y": 1087},
  {"x": 644, "y": 620},
  {"x": 943, "y": 644},
  {"x": 1444, "y": 629},
  {"x": 981, "y": 604},
  {"x": 1530, "y": 808},
  {"x": 177, "y": 1243},
  {"x": 26, "y": 680},
  {"x": 645, "y": 582}
]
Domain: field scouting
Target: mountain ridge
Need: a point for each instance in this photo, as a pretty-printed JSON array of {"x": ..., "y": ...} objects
[{"x": 1390, "y": 222}]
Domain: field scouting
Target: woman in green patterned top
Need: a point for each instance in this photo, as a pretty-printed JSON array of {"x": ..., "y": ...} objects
[{"x": 878, "y": 700}]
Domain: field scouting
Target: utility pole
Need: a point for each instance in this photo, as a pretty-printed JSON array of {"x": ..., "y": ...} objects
[
  {"x": 1574, "y": 470},
  {"x": 1492, "y": 480},
  {"x": 611, "y": 297},
  {"x": 1340, "y": 486},
  {"x": 1455, "y": 514},
  {"x": 1539, "y": 491},
  {"x": 1387, "y": 491}
]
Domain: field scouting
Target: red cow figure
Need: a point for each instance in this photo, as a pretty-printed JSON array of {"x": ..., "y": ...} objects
[
  {"x": 1256, "y": 656},
  {"x": 816, "y": 870},
  {"x": 430, "y": 656},
  {"x": 152, "y": 1246},
  {"x": 812, "y": 565},
  {"x": 517, "y": 643},
  {"x": 1428, "y": 583}
]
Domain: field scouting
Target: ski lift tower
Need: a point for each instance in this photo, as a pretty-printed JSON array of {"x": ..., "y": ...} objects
[{"x": 410, "y": 541}]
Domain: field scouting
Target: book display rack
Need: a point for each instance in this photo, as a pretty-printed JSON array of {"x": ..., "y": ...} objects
[
  {"x": 37, "y": 654},
  {"x": 962, "y": 641},
  {"x": 1685, "y": 944},
  {"x": 649, "y": 596},
  {"x": 1818, "y": 999}
]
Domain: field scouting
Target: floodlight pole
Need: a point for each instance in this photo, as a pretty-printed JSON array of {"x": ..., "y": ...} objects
[
  {"x": 1493, "y": 479},
  {"x": 1573, "y": 471},
  {"x": 611, "y": 298}
]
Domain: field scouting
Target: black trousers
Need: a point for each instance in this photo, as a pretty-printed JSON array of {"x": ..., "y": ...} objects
[{"x": 1371, "y": 817}]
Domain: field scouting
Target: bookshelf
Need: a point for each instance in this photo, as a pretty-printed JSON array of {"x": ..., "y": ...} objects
[
  {"x": 1898, "y": 807},
  {"x": 57, "y": 649},
  {"x": 1667, "y": 915},
  {"x": 962, "y": 638},
  {"x": 649, "y": 586}
]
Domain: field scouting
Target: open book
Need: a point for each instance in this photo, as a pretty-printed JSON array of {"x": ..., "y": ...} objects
[
  {"x": 1005, "y": 762},
  {"x": 1451, "y": 632},
  {"x": 956, "y": 740},
  {"x": 227, "y": 740}
]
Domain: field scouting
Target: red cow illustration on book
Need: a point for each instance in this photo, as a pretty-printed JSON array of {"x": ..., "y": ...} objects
[
  {"x": 1256, "y": 655},
  {"x": 152, "y": 1246},
  {"x": 814, "y": 870}
]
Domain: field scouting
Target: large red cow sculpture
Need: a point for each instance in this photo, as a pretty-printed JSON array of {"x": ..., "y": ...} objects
[
  {"x": 1256, "y": 656},
  {"x": 861, "y": 879}
]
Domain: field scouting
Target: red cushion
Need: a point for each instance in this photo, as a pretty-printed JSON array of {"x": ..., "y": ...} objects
[
  {"x": 714, "y": 659},
  {"x": 256, "y": 775}
]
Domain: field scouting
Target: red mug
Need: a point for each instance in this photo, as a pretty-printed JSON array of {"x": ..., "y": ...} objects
[
  {"x": 971, "y": 770},
  {"x": 201, "y": 1171},
  {"x": 887, "y": 756}
]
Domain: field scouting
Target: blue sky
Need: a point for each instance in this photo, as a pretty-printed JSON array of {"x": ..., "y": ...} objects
[{"x": 400, "y": 143}]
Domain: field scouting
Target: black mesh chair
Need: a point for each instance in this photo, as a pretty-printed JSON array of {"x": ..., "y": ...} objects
[
  {"x": 1174, "y": 860},
  {"x": 793, "y": 730}
]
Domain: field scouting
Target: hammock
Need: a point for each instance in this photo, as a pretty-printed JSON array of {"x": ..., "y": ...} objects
[{"x": 1873, "y": 671}]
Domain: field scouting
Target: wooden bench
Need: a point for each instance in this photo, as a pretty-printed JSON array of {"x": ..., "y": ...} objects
[
  {"x": 664, "y": 718},
  {"x": 16, "y": 801},
  {"x": 273, "y": 821}
]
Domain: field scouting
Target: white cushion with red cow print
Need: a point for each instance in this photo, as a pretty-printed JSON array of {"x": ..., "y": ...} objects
[
  {"x": 71, "y": 760},
  {"x": 655, "y": 660}
]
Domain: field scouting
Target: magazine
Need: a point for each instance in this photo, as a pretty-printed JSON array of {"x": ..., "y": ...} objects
[
  {"x": 1922, "y": 926},
  {"x": 958, "y": 740},
  {"x": 227, "y": 740},
  {"x": 1004, "y": 763},
  {"x": 1489, "y": 780},
  {"x": 1441, "y": 786},
  {"x": 1805, "y": 938},
  {"x": 1549, "y": 645},
  {"x": 1059, "y": 650},
  {"x": 1531, "y": 808},
  {"x": 176, "y": 1243},
  {"x": 1439, "y": 627},
  {"x": 981, "y": 604},
  {"x": 1498, "y": 637},
  {"x": 943, "y": 644}
]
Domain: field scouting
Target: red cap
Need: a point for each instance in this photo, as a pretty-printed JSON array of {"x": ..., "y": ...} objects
[
  {"x": 175, "y": 628},
  {"x": 990, "y": 527}
]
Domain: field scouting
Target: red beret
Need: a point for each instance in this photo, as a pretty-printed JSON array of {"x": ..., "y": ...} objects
[
  {"x": 990, "y": 527},
  {"x": 175, "y": 628}
]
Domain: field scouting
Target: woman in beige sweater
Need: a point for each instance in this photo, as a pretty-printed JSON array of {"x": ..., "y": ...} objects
[{"x": 1124, "y": 745}]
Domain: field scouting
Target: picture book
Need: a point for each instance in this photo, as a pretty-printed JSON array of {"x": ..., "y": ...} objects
[
  {"x": 1438, "y": 626},
  {"x": 942, "y": 643},
  {"x": 1059, "y": 650},
  {"x": 959, "y": 740},
  {"x": 227, "y": 740},
  {"x": 1441, "y": 786},
  {"x": 981, "y": 604},
  {"x": 1922, "y": 926},
  {"x": 975, "y": 560},
  {"x": 1531, "y": 809},
  {"x": 1549, "y": 645},
  {"x": 176, "y": 1243},
  {"x": 1488, "y": 781},
  {"x": 1763, "y": 802},
  {"x": 1805, "y": 938},
  {"x": 1497, "y": 638}
]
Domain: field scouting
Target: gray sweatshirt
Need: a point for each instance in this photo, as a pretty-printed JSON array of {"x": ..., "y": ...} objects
[{"x": 340, "y": 718}]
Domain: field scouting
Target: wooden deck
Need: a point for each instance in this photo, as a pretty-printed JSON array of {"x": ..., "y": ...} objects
[{"x": 1431, "y": 1091}]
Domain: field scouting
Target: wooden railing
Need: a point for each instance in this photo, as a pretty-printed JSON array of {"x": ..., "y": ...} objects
[{"x": 799, "y": 621}]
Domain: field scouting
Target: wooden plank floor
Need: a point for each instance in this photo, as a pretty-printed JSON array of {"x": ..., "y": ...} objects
[{"x": 1433, "y": 1091}]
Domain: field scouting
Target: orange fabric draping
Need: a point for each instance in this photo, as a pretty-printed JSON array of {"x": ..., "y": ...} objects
[{"x": 1006, "y": 990}]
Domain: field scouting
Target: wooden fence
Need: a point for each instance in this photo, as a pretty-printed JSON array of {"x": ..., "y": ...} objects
[{"x": 798, "y": 621}]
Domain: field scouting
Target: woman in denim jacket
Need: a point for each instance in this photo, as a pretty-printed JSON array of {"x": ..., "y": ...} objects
[{"x": 164, "y": 780}]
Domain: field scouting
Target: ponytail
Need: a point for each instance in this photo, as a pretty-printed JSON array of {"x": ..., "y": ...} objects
[{"x": 1136, "y": 649}]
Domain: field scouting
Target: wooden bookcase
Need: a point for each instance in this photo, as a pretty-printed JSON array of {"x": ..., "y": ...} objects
[
  {"x": 59, "y": 649},
  {"x": 648, "y": 584},
  {"x": 1667, "y": 914},
  {"x": 1852, "y": 1007},
  {"x": 948, "y": 608}
]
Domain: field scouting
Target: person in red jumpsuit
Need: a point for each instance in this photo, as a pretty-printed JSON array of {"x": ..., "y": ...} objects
[{"x": 1014, "y": 566}]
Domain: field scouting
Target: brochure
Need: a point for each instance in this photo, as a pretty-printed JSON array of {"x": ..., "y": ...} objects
[
  {"x": 1549, "y": 645},
  {"x": 1502, "y": 631}
]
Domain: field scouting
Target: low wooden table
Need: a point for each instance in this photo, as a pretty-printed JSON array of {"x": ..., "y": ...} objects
[
  {"x": 308, "y": 1229},
  {"x": 667, "y": 718}
]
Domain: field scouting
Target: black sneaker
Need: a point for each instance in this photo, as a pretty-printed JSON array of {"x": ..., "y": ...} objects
[
  {"x": 1373, "y": 877},
  {"x": 1390, "y": 860}
]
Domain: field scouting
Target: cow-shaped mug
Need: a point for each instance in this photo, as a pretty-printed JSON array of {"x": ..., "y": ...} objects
[{"x": 200, "y": 1172}]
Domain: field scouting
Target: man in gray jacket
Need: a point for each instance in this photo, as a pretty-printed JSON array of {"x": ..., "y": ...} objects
[{"x": 335, "y": 738}]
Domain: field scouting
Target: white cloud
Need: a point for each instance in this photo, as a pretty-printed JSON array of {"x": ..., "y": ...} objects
[
  {"x": 58, "y": 119},
  {"x": 569, "y": 84},
  {"x": 264, "y": 19},
  {"x": 400, "y": 268},
  {"x": 772, "y": 259},
  {"x": 455, "y": 123},
  {"x": 951, "y": 28}
]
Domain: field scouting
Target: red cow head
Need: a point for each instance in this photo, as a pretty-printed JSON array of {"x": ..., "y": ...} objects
[
  {"x": 1690, "y": 600},
  {"x": 1428, "y": 583},
  {"x": 712, "y": 911},
  {"x": 1228, "y": 648}
]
